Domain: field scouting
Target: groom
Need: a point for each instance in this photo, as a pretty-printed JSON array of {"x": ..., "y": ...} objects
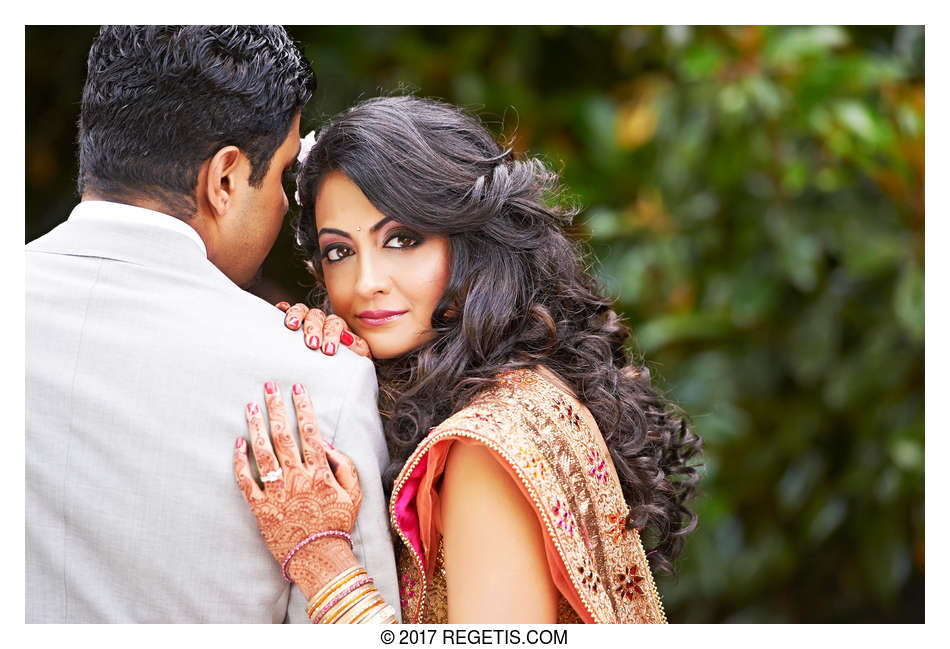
[{"x": 142, "y": 350}]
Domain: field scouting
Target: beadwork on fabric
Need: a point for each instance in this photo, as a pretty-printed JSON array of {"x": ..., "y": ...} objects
[{"x": 535, "y": 429}]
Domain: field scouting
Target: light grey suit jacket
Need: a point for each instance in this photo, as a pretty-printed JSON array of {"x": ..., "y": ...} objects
[{"x": 140, "y": 358}]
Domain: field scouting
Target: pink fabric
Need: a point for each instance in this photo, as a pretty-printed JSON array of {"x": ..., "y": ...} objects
[{"x": 405, "y": 508}]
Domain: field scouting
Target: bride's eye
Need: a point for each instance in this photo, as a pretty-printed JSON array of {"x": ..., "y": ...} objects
[
  {"x": 403, "y": 240},
  {"x": 336, "y": 253}
]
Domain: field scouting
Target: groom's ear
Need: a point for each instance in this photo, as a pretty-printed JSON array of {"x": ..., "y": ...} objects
[{"x": 222, "y": 179}]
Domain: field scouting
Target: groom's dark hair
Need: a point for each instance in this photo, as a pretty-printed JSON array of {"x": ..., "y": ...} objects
[{"x": 160, "y": 100}]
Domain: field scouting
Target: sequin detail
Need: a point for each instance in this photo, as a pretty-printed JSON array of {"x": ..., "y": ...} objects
[
  {"x": 516, "y": 377},
  {"x": 566, "y": 412},
  {"x": 598, "y": 467},
  {"x": 629, "y": 583},
  {"x": 618, "y": 525},
  {"x": 549, "y": 443},
  {"x": 563, "y": 516},
  {"x": 407, "y": 587},
  {"x": 532, "y": 462},
  {"x": 589, "y": 577}
]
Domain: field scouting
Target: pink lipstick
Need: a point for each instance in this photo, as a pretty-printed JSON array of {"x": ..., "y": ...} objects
[{"x": 378, "y": 318}]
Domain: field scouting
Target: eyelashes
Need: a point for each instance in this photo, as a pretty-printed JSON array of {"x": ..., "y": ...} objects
[
  {"x": 336, "y": 252},
  {"x": 407, "y": 239},
  {"x": 396, "y": 240}
]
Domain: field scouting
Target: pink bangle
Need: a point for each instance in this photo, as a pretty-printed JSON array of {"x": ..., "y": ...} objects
[
  {"x": 336, "y": 600},
  {"x": 312, "y": 537}
]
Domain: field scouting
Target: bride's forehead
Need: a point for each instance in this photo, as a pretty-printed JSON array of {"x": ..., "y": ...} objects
[{"x": 341, "y": 204}]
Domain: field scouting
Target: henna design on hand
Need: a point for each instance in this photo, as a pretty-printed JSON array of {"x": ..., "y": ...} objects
[
  {"x": 313, "y": 328},
  {"x": 308, "y": 498},
  {"x": 294, "y": 316}
]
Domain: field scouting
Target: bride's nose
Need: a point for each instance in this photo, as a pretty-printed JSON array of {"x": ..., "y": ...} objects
[{"x": 373, "y": 276}]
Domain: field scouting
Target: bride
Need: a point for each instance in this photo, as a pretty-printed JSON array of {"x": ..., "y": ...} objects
[{"x": 531, "y": 460}]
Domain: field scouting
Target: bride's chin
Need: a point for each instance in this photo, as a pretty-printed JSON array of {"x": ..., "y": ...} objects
[{"x": 389, "y": 349}]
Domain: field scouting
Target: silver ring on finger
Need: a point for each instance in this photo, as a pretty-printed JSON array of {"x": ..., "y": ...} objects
[{"x": 272, "y": 476}]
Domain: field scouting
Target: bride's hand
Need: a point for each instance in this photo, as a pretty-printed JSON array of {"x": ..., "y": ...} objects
[
  {"x": 322, "y": 331},
  {"x": 316, "y": 492}
]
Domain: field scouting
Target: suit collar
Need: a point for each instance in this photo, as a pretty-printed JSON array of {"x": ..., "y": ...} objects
[
  {"x": 135, "y": 240},
  {"x": 123, "y": 213}
]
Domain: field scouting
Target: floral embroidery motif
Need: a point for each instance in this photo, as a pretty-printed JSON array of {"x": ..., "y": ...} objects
[
  {"x": 534, "y": 430},
  {"x": 599, "y": 465},
  {"x": 520, "y": 377},
  {"x": 566, "y": 412},
  {"x": 565, "y": 519},
  {"x": 407, "y": 588},
  {"x": 589, "y": 577},
  {"x": 533, "y": 462},
  {"x": 629, "y": 583},
  {"x": 480, "y": 418},
  {"x": 618, "y": 525}
]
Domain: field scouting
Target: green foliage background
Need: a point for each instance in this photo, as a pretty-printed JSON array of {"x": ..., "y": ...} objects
[{"x": 755, "y": 202}]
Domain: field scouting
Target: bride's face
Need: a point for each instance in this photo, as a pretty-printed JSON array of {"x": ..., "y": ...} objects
[{"x": 382, "y": 277}]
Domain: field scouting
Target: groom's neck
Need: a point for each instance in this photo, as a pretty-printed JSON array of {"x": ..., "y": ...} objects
[{"x": 145, "y": 203}]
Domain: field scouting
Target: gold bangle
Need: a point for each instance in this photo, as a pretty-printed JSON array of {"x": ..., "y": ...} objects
[
  {"x": 334, "y": 585},
  {"x": 345, "y": 603},
  {"x": 365, "y": 613},
  {"x": 342, "y": 602},
  {"x": 358, "y": 610},
  {"x": 353, "y": 609},
  {"x": 352, "y": 600},
  {"x": 385, "y": 615},
  {"x": 331, "y": 586}
]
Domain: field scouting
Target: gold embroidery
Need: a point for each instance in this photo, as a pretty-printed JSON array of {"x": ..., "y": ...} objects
[{"x": 537, "y": 429}]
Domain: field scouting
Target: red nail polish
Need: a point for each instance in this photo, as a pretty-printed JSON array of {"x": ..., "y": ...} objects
[
  {"x": 346, "y": 338},
  {"x": 283, "y": 306},
  {"x": 328, "y": 445},
  {"x": 239, "y": 444},
  {"x": 298, "y": 389},
  {"x": 313, "y": 342},
  {"x": 252, "y": 408},
  {"x": 293, "y": 322},
  {"x": 329, "y": 349},
  {"x": 270, "y": 388}
]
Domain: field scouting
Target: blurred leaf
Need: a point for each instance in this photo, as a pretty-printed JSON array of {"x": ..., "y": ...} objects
[
  {"x": 788, "y": 45},
  {"x": 798, "y": 480},
  {"x": 827, "y": 520},
  {"x": 909, "y": 301},
  {"x": 908, "y": 455},
  {"x": 814, "y": 340},
  {"x": 682, "y": 326}
]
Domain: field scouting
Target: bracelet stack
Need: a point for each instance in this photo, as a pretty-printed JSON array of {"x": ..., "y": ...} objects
[{"x": 350, "y": 598}]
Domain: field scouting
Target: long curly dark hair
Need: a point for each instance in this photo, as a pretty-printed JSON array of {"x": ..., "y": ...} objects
[{"x": 518, "y": 296}]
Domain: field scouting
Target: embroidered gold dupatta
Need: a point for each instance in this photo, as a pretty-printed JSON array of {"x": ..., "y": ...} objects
[{"x": 536, "y": 431}]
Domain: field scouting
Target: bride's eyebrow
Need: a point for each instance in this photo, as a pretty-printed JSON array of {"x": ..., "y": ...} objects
[
  {"x": 383, "y": 221},
  {"x": 324, "y": 231}
]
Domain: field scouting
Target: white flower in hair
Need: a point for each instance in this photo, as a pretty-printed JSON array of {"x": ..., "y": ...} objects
[{"x": 306, "y": 143}]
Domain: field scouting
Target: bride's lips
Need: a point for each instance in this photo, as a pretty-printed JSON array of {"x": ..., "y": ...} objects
[{"x": 378, "y": 318}]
